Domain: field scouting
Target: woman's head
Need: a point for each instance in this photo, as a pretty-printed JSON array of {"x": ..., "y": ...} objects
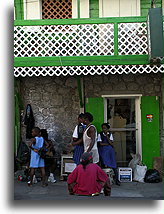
[
  {"x": 105, "y": 127},
  {"x": 88, "y": 118},
  {"x": 86, "y": 158},
  {"x": 81, "y": 118}
]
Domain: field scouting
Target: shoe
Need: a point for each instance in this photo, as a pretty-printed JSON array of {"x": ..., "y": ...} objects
[{"x": 35, "y": 180}]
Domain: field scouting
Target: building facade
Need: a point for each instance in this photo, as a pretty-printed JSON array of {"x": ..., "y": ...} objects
[{"x": 72, "y": 56}]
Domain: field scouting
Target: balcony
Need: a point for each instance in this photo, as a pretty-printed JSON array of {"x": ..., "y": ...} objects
[{"x": 83, "y": 42}]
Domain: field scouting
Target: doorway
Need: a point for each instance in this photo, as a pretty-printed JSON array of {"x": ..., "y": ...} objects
[{"x": 123, "y": 115}]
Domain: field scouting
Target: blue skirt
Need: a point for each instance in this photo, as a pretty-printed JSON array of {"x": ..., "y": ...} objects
[
  {"x": 107, "y": 156},
  {"x": 78, "y": 151}
]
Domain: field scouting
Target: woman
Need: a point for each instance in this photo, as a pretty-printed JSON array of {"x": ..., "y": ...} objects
[
  {"x": 106, "y": 150},
  {"x": 88, "y": 178}
]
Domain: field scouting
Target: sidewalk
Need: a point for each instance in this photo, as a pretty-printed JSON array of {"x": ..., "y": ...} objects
[{"x": 58, "y": 191}]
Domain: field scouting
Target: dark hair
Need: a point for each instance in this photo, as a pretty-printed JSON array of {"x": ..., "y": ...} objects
[
  {"x": 37, "y": 129},
  {"x": 86, "y": 158},
  {"x": 81, "y": 115},
  {"x": 44, "y": 134},
  {"x": 106, "y": 124},
  {"x": 89, "y": 116}
]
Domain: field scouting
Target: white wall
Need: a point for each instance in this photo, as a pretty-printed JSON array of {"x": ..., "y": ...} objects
[
  {"x": 74, "y": 9},
  {"x": 119, "y": 8},
  {"x": 32, "y": 9},
  {"x": 84, "y": 9}
]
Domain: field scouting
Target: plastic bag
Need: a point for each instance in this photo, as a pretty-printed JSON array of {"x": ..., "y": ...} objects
[
  {"x": 152, "y": 176},
  {"x": 139, "y": 173},
  {"x": 136, "y": 159}
]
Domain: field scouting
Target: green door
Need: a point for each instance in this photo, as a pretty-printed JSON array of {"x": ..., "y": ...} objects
[
  {"x": 150, "y": 129},
  {"x": 96, "y": 107}
]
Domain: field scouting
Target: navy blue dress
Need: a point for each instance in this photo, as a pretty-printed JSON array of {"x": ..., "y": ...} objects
[
  {"x": 106, "y": 152},
  {"x": 78, "y": 149}
]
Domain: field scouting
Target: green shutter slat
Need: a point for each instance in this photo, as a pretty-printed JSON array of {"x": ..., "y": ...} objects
[{"x": 150, "y": 130}]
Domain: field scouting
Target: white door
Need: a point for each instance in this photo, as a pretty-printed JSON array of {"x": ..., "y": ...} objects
[{"x": 123, "y": 115}]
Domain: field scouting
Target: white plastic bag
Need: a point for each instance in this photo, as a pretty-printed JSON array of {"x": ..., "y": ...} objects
[
  {"x": 136, "y": 159},
  {"x": 139, "y": 173}
]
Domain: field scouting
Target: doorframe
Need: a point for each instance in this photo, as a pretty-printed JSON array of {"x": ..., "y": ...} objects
[{"x": 138, "y": 116}]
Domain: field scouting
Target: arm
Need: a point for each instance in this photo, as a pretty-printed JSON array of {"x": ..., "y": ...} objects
[
  {"x": 77, "y": 142},
  {"x": 110, "y": 141},
  {"x": 92, "y": 134},
  {"x": 33, "y": 142}
]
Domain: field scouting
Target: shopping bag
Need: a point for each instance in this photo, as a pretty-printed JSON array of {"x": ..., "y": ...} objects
[{"x": 139, "y": 173}]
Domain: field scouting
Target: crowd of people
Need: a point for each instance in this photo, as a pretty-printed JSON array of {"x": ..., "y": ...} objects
[{"x": 92, "y": 151}]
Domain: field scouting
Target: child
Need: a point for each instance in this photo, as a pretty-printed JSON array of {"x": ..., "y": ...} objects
[
  {"x": 36, "y": 161},
  {"x": 78, "y": 139},
  {"x": 106, "y": 150}
]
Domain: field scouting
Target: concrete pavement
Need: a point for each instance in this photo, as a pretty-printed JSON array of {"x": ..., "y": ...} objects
[{"x": 58, "y": 191}]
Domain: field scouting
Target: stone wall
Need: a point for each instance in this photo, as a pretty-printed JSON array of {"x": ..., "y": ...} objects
[
  {"x": 55, "y": 100},
  {"x": 55, "y": 105},
  {"x": 145, "y": 84}
]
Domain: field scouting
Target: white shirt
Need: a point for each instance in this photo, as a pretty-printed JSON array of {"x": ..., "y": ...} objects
[
  {"x": 75, "y": 134},
  {"x": 99, "y": 137},
  {"x": 87, "y": 141}
]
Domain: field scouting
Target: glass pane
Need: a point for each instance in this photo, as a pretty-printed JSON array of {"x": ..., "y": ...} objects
[
  {"x": 121, "y": 113},
  {"x": 124, "y": 144}
]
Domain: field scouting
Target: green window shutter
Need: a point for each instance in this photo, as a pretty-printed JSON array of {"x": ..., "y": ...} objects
[
  {"x": 150, "y": 130},
  {"x": 94, "y": 8},
  {"x": 146, "y": 4},
  {"x": 96, "y": 107}
]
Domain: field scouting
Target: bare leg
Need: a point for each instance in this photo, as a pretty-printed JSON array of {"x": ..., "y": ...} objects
[
  {"x": 32, "y": 172},
  {"x": 107, "y": 188},
  {"x": 43, "y": 173}
]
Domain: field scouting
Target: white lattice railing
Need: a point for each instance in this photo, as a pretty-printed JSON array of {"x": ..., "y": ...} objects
[
  {"x": 85, "y": 70},
  {"x": 81, "y": 39},
  {"x": 111, "y": 37}
]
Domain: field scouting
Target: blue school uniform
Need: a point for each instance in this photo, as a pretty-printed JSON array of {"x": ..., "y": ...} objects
[
  {"x": 78, "y": 149},
  {"x": 36, "y": 161},
  {"x": 106, "y": 152}
]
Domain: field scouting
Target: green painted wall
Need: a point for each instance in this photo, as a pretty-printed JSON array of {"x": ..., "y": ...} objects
[
  {"x": 146, "y": 4},
  {"x": 96, "y": 107},
  {"x": 94, "y": 8},
  {"x": 150, "y": 130}
]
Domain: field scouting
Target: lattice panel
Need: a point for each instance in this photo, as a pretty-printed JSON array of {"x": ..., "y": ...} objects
[
  {"x": 132, "y": 38},
  {"x": 62, "y": 40},
  {"x": 56, "y": 9},
  {"x": 85, "y": 70}
]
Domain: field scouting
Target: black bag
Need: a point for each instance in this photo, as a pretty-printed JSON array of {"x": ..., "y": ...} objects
[
  {"x": 152, "y": 176},
  {"x": 42, "y": 152}
]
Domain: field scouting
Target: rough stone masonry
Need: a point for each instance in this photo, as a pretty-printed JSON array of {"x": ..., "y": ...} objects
[{"x": 55, "y": 100}]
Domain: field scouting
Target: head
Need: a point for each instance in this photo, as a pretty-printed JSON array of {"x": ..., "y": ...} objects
[
  {"x": 44, "y": 134},
  {"x": 81, "y": 118},
  {"x": 105, "y": 127},
  {"x": 88, "y": 118},
  {"x": 36, "y": 131},
  {"x": 86, "y": 159}
]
